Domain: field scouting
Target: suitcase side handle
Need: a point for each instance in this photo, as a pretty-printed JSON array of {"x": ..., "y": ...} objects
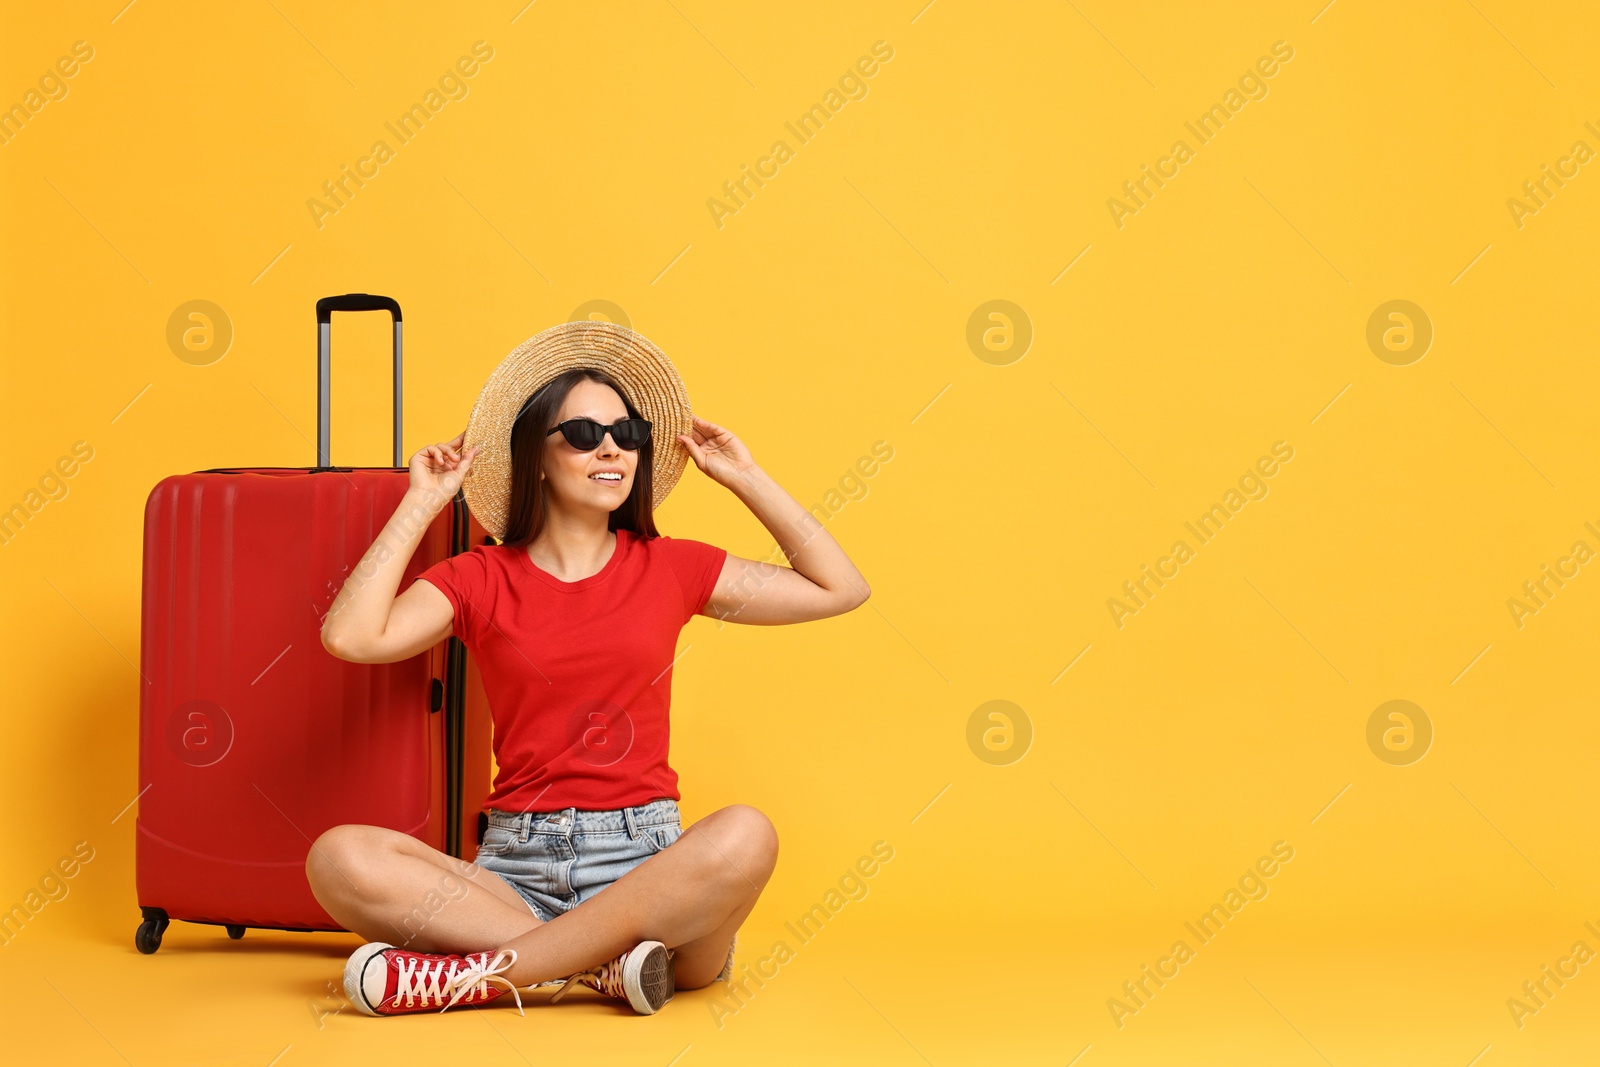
[{"x": 325, "y": 309}]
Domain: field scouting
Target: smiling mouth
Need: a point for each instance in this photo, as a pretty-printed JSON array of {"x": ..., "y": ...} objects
[{"x": 614, "y": 479}]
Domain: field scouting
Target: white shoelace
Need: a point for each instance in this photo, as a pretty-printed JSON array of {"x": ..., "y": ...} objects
[{"x": 431, "y": 981}]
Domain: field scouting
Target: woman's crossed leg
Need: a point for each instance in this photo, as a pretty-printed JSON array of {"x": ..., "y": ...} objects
[{"x": 691, "y": 896}]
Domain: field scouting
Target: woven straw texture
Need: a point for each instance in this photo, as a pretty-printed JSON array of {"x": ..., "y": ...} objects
[{"x": 651, "y": 381}]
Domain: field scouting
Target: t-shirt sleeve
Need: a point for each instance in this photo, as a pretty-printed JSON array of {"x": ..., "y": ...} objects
[
  {"x": 697, "y": 566},
  {"x": 463, "y": 579}
]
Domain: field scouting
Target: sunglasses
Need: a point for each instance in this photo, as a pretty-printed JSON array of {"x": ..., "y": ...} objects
[{"x": 585, "y": 434}]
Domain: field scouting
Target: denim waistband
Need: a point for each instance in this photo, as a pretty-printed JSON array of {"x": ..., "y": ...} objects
[{"x": 659, "y": 812}]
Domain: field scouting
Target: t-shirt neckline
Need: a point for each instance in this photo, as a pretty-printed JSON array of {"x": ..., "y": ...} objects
[{"x": 623, "y": 539}]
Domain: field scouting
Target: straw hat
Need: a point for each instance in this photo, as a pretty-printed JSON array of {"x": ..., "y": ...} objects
[{"x": 643, "y": 370}]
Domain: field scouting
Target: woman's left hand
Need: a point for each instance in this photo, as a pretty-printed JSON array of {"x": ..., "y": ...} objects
[{"x": 717, "y": 452}]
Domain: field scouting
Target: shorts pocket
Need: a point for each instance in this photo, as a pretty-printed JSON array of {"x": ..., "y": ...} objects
[
  {"x": 657, "y": 838},
  {"x": 498, "y": 840}
]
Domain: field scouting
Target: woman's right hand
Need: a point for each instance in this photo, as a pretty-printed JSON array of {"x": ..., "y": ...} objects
[{"x": 437, "y": 470}]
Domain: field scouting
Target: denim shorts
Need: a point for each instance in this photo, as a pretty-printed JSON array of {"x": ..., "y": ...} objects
[{"x": 556, "y": 860}]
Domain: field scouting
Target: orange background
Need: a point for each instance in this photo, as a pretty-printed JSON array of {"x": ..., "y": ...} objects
[{"x": 1040, "y": 860}]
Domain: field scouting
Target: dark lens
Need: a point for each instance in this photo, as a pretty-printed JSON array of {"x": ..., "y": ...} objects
[
  {"x": 582, "y": 434},
  {"x": 629, "y": 434}
]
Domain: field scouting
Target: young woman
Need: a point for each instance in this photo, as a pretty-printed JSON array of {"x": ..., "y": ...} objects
[{"x": 573, "y": 621}]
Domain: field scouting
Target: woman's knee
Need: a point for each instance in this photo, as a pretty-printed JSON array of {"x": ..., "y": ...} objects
[
  {"x": 751, "y": 836},
  {"x": 341, "y": 858}
]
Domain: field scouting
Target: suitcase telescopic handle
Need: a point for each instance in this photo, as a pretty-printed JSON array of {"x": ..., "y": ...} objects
[{"x": 325, "y": 309}]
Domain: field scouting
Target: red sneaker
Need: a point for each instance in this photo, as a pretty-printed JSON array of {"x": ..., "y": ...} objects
[
  {"x": 380, "y": 979},
  {"x": 642, "y": 976}
]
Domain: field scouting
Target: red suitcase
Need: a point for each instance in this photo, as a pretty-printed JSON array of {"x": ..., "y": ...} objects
[{"x": 253, "y": 739}]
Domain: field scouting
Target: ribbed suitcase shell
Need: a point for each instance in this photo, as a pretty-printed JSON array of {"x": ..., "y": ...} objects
[{"x": 253, "y": 739}]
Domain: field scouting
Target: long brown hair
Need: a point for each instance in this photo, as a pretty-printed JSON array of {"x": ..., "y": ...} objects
[{"x": 528, "y": 508}]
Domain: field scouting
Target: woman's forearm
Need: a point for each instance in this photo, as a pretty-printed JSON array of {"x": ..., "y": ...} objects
[
  {"x": 811, "y": 550},
  {"x": 360, "y": 612}
]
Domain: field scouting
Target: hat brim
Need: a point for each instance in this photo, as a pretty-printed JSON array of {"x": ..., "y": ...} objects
[{"x": 644, "y": 371}]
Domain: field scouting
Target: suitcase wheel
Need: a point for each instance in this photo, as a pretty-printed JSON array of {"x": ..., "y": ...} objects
[
  {"x": 235, "y": 932},
  {"x": 148, "y": 937}
]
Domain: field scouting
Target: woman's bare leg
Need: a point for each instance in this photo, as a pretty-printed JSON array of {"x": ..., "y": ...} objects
[
  {"x": 692, "y": 896},
  {"x": 388, "y": 886}
]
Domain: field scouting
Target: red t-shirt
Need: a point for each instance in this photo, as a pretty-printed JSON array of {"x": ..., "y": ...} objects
[{"x": 579, "y": 674}]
